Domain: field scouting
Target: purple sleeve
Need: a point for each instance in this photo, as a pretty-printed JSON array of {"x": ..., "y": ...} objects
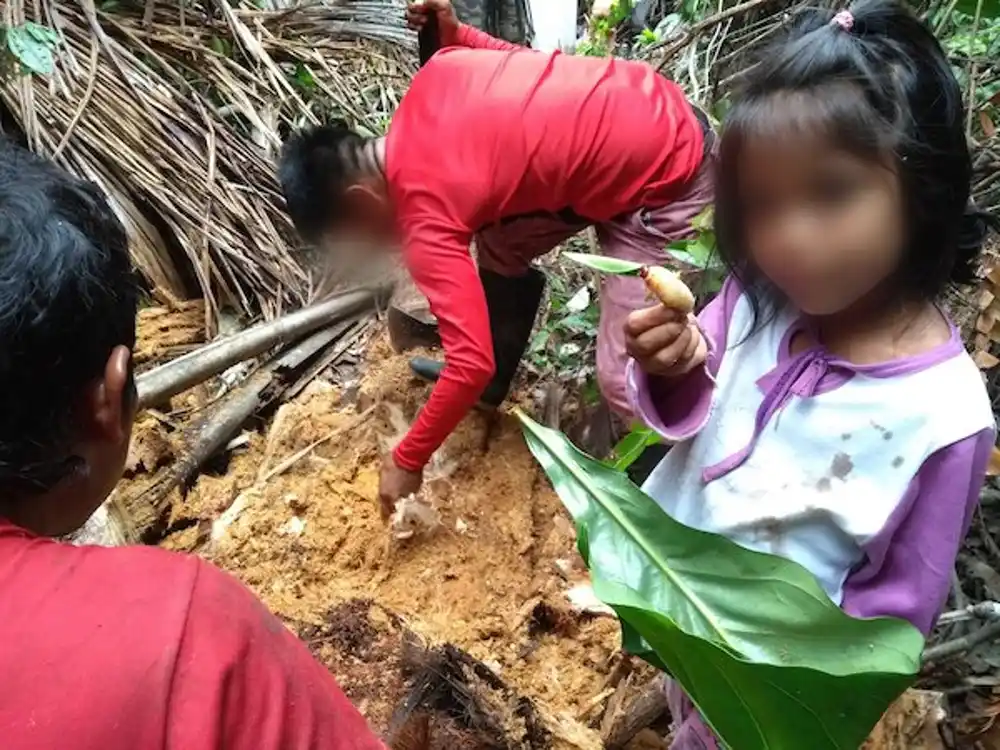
[
  {"x": 908, "y": 564},
  {"x": 678, "y": 408}
]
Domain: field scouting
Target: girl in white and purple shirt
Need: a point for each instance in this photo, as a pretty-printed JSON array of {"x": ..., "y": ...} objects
[{"x": 822, "y": 407}]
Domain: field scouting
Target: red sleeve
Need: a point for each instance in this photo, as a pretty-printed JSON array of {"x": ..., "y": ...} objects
[
  {"x": 440, "y": 264},
  {"x": 470, "y": 36},
  {"x": 243, "y": 682}
]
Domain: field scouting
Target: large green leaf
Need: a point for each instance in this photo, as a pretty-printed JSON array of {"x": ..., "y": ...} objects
[
  {"x": 727, "y": 622},
  {"x": 757, "y": 706}
]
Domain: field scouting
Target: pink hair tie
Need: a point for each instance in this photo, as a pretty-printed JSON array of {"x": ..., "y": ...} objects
[{"x": 844, "y": 19}]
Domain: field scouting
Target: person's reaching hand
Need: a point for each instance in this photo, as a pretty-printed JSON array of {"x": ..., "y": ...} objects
[
  {"x": 394, "y": 484},
  {"x": 417, "y": 13}
]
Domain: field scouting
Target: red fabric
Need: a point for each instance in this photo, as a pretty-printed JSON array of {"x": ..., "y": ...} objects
[
  {"x": 129, "y": 648},
  {"x": 499, "y": 131}
]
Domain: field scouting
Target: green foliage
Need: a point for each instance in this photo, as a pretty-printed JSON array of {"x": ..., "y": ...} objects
[
  {"x": 697, "y": 253},
  {"x": 28, "y": 48},
  {"x": 700, "y": 253},
  {"x": 989, "y": 9},
  {"x": 770, "y": 661},
  {"x": 601, "y": 30},
  {"x": 220, "y": 46},
  {"x": 630, "y": 447},
  {"x": 971, "y": 45},
  {"x": 560, "y": 346}
]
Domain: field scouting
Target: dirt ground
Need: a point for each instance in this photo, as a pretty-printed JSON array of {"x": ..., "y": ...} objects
[
  {"x": 292, "y": 513},
  {"x": 491, "y": 578}
]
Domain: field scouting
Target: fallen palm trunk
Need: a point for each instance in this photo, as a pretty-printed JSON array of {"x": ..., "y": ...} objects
[
  {"x": 635, "y": 705},
  {"x": 149, "y": 507},
  {"x": 158, "y": 385}
]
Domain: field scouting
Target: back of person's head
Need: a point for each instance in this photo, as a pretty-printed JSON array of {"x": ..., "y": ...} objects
[
  {"x": 870, "y": 83},
  {"x": 318, "y": 167},
  {"x": 67, "y": 307}
]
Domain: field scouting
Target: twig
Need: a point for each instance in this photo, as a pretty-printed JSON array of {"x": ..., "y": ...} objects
[
  {"x": 958, "y": 646},
  {"x": 95, "y": 54},
  {"x": 197, "y": 366},
  {"x": 981, "y": 611},
  {"x": 695, "y": 31},
  {"x": 970, "y": 105},
  {"x": 289, "y": 462}
]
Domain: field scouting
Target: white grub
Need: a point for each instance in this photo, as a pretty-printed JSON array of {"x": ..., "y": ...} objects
[
  {"x": 583, "y": 599},
  {"x": 294, "y": 526},
  {"x": 412, "y": 517}
]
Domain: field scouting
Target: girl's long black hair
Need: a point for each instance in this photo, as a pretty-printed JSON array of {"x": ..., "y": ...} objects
[{"x": 878, "y": 84}]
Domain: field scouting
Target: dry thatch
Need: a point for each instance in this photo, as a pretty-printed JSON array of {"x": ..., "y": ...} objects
[{"x": 175, "y": 110}]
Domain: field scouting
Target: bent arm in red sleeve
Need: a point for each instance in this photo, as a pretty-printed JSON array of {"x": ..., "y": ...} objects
[
  {"x": 442, "y": 268},
  {"x": 470, "y": 36},
  {"x": 242, "y": 681}
]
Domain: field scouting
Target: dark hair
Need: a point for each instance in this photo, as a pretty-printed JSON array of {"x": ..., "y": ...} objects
[
  {"x": 317, "y": 165},
  {"x": 879, "y": 84},
  {"x": 67, "y": 298}
]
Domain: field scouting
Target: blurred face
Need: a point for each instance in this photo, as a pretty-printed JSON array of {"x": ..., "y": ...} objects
[
  {"x": 825, "y": 226},
  {"x": 370, "y": 223}
]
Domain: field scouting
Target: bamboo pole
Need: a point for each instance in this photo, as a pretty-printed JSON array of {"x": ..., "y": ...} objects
[
  {"x": 148, "y": 508},
  {"x": 161, "y": 383}
]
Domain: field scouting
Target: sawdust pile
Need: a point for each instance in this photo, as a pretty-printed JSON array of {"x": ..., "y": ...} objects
[
  {"x": 309, "y": 541},
  {"x": 164, "y": 333}
]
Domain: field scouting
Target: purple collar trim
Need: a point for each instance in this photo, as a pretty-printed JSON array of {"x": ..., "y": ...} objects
[{"x": 814, "y": 371}]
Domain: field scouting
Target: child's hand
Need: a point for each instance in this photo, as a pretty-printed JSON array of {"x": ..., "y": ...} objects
[{"x": 664, "y": 342}]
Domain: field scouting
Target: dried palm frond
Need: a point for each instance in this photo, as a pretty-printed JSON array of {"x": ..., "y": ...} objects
[{"x": 176, "y": 110}]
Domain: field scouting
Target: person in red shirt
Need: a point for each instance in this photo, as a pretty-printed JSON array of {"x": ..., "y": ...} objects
[
  {"x": 518, "y": 150},
  {"x": 128, "y": 648}
]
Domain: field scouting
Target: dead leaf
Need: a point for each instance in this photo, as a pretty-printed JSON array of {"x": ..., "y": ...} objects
[
  {"x": 911, "y": 723},
  {"x": 993, "y": 468},
  {"x": 988, "y": 127},
  {"x": 986, "y": 574},
  {"x": 414, "y": 734},
  {"x": 984, "y": 360},
  {"x": 986, "y": 298},
  {"x": 148, "y": 451}
]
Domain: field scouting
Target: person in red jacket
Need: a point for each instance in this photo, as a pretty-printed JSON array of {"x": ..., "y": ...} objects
[
  {"x": 517, "y": 150},
  {"x": 128, "y": 648}
]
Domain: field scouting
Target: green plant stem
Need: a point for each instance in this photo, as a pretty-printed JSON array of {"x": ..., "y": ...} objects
[{"x": 970, "y": 105}]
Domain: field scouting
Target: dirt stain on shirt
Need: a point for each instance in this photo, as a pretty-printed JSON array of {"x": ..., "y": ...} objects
[{"x": 841, "y": 466}]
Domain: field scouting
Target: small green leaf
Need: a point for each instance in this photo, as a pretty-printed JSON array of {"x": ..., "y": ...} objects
[
  {"x": 33, "y": 55},
  {"x": 646, "y": 37},
  {"x": 42, "y": 34},
  {"x": 678, "y": 251},
  {"x": 698, "y": 252},
  {"x": 705, "y": 221},
  {"x": 703, "y": 248},
  {"x": 604, "y": 264},
  {"x": 305, "y": 77},
  {"x": 630, "y": 447}
]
